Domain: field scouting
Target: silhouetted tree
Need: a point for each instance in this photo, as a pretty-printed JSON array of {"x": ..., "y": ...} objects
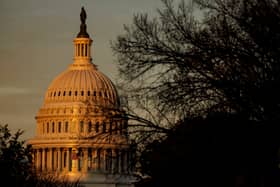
[
  {"x": 16, "y": 164},
  {"x": 215, "y": 151},
  {"x": 203, "y": 58},
  {"x": 15, "y": 158},
  {"x": 227, "y": 60}
]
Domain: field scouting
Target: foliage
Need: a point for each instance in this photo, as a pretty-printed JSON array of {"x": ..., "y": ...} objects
[
  {"x": 45, "y": 180},
  {"x": 228, "y": 60},
  {"x": 206, "y": 152},
  {"x": 15, "y": 157},
  {"x": 16, "y": 164},
  {"x": 203, "y": 58}
]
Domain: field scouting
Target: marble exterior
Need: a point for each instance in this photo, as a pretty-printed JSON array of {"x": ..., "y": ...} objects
[{"x": 81, "y": 129}]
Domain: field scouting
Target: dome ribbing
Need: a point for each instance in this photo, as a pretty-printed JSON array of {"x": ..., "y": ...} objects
[{"x": 78, "y": 84}]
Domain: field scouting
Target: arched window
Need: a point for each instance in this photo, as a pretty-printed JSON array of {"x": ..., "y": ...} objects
[
  {"x": 59, "y": 127},
  {"x": 120, "y": 128},
  {"x": 81, "y": 126},
  {"x": 89, "y": 126},
  {"x": 59, "y": 93},
  {"x": 76, "y": 93},
  {"x": 116, "y": 129},
  {"x": 66, "y": 127},
  {"x": 52, "y": 127},
  {"x": 64, "y": 93},
  {"x": 97, "y": 127},
  {"x": 110, "y": 128},
  {"x": 43, "y": 128},
  {"x": 48, "y": 127},
  {"x": 69, "y": 93},
  {"x": 103, "y": 127},
  {"x": 82, "y": 93},
  {"x": 88, "y": 93}
]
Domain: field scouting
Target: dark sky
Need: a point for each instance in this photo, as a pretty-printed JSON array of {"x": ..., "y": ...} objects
[{"x": 36, "y": 44}]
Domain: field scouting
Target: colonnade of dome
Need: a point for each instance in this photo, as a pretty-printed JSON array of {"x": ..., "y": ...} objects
[{"x": 62, "y": 160}]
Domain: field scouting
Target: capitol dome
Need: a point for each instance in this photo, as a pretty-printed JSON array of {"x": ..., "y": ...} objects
[
  {"x": 83, "y": 83},
  {"x": 82, "y": 132}
]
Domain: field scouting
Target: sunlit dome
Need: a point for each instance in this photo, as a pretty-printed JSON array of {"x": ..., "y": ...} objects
[
  {"x": 81, "y": 130},
  {"x": 83, "y": 83}
]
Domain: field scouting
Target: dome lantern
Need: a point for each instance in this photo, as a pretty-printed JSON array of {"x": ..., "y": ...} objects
[{"x": 82, "y": 43}]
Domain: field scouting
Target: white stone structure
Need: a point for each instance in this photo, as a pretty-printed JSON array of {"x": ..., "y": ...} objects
[{"x": 81, "y": 132}]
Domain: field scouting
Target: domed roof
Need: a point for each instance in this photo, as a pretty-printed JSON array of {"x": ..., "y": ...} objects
[{"x": 83, "y": 82}]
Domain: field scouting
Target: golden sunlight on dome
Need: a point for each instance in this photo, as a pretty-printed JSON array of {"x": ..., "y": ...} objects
[
  {"x": 81, "y": 128},
  {"x": 84, "y": 84}
]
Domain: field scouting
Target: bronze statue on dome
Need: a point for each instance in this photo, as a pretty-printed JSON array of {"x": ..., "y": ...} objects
[
  {"x": 83, "y": 15},
  {"x": 83, "y": 27}
]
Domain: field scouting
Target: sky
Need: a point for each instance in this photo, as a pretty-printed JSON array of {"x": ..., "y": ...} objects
[{"x": 36, "y": 45}]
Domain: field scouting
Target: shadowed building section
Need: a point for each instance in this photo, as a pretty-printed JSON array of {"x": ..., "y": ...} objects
[{"x": 81, "y": 129}]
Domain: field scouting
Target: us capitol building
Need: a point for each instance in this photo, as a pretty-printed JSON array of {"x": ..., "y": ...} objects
[{"x": 81, "y": 130}]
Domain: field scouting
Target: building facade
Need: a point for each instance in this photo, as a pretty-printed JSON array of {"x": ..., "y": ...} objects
[{"x": 81, "y": 129}]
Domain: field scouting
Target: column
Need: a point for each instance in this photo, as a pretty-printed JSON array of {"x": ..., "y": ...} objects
[
  {"x": 82, "y": 49},
  {"x": 99, "y": 160},
  {"x": 67, "y": 159},
  {"x": 79, "y": 50},
  {"x": 87, "y": 48},
  {"x": 54, "y": 159},
  {"x": 34, "y": 157},
  {"x": 94, "y": 160},
  {"x": 37, "y": 164},
  {"x": 85, "y": 160},
  {"x": 43, "y": 159},
  {"x": 131, "y": 161},
  {"x": 89, "y": 52},
  {"x": 58, "y": 159},
  {"x": 125, "y": 165},
  {"x": 120, "y": 161},
  {"x": 50, "y": 159},
  {"x": 89, "y": 160},
  {"x": 103, "y": 160},
  {"x": 117, "y": 164},
  {"x": 47, "y": 159},
  {"x": 114, "y": 161},
  {"x": 74, "y": 159}
]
